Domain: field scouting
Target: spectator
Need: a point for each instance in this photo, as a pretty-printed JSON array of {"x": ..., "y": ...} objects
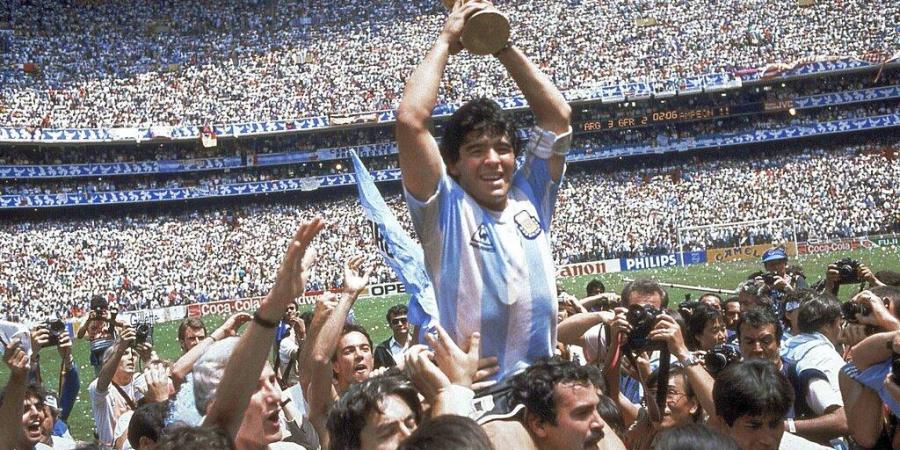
[{"x": 391, "y": 350}]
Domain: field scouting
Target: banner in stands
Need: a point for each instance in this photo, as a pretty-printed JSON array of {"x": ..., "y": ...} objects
[
  {"x": 589, "y": 268},
  {"x": 384, "y": 289},
  {"x": 656, "y": 261},
  {"x": 834, "y": 245}
]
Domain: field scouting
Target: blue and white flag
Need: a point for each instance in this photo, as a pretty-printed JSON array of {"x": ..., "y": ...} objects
[{"x": 397, "y": 249}]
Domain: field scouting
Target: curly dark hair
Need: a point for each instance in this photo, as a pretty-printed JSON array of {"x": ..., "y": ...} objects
[
  {"x": 195, "y": 438},
  {"x": 481, "y": 115},
  {"x": 534, "y": 387},
  {"x": 348, "y": 416}
]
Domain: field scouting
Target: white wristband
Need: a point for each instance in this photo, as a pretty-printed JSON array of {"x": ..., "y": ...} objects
[{"x": 792, "y": 427}]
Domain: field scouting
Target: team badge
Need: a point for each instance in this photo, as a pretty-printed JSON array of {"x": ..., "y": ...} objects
[
  {"x": 528, "y": 224},
  {"x": 481, "y": 238}
]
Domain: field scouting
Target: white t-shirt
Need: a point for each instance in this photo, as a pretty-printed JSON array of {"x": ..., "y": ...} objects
[
  {"x": 107, "y": 406},
  {"x": 793, "y": 442}
]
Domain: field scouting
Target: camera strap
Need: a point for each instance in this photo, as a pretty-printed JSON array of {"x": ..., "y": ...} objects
[{"x": 127, "y": 398}]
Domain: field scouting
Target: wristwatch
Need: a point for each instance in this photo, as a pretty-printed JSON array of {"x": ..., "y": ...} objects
[{"x": 691, "y": 360}]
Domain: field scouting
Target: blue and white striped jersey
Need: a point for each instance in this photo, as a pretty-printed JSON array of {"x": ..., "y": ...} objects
[{"x": 493, "y": 272}]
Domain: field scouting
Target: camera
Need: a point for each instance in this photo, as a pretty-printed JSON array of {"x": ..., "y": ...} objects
[
  {"x": 143, "y": 333},
  {"x": 769, "y": 278},
  {"x": 56, "y": 328},
  {"x": 848, "y": 270},
  {"x": 720, "y": 357},
  {"x": 850, "y": 309},
  {"x": 99, "y": 304},
  {"x": 642, "y": 319},
  {"x": 687, "y": 307}
]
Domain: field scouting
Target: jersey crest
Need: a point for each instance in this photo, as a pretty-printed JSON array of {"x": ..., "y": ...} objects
[
  {"x": 528, "y": 224},
  {"x": 481, "y": 238}
]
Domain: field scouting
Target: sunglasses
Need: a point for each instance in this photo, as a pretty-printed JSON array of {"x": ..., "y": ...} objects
[{"x": 398, "y": 321}]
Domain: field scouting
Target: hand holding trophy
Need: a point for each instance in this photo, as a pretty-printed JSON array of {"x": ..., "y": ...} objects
[{"x": 486, "y": 30}]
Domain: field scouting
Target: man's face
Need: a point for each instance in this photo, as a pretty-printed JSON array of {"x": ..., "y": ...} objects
[
  {"x": 128, "y": 361},
  {"x": 47, "y": 424},
  {"x": 732, "y": 314},
  {"x": 653, "y": 299},
  {"x": 578, "y": 424},
  {"x": 679, "y": 407},
  {"x": 778, "y": 266},
  {"x": 485, "y": 168},
  {"x": 192, "y": 337},
  {"x": 290, "y": 311},
  {"x": 32, "y": 420},
  {"x": 760, "y": 343},
  {"x": 757, "y": 432},
  {"x": 385, "y": 429},
  {"x": 399, "y": 326},
  {"x": 713, "y": 334},
  {"x": 354, "y": 359},
  {"x": 261, "y": 425}
]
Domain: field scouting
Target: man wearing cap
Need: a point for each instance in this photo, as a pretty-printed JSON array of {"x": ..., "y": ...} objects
[{"x": 775, "y": 260}]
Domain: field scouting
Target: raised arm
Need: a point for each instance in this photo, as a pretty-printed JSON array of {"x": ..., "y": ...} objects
[
  {"x": 668, "y": 331},
  {"x": 246, "y": 363},
  {"x": 14, "y": 396},
  {"x": 571, "y": 331},
  {"x": 420, "y": 159},
  {"x": 112, "y": 364},
  {"x": 550, "y": 109},
  {"x": 321, "y": 389}
]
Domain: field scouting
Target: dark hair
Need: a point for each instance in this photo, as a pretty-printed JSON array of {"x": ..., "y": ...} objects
[
  {"x": 644, "y": 286},
  {"x": 448, "y": 432},
  {"x": 595, "y": 287},
  {"x": 710, "y": 294},
  {"x": 888, "y": 277},
  {"x": 890, "y": 293},
  {"x": 759, "y": 316},
  {"x": 148, "y": 421},
  {"x": 693, "y": 436},
  {"x": 751, "y": 388},
  {"x": 32, "y": 390},
  {"x": 348, "y": 416},
  {"x": 697, "y": 321},
  {"x": 394, "y": 311},
  {"x": 192, "y": 323},
  {"x": 182, "y": 437},
  {"x": 820, "y": 310},
  {"x": 732, "y": 299},
  {"x": 535, "y": 386},
  {"x": 349, "y": 328},
  {"x": 610, "y": 413},
  {"x": 481, "y": 115}
]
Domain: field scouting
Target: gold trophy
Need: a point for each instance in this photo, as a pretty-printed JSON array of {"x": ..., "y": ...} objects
[{"x": 486, "y": 32}]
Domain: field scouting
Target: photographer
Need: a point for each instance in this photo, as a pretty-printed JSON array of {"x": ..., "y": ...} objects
[
  {"x": 865, "y": 381},
  {"x": 100, "y": 328},
  {"x": 118, "y": 371},
  {"x": 848, "y": 271},
  {"x": 775, "y": 262},
  {"x": 287, "y": 349},
  {"x": 688, "y": 385},
  {"x": 817, "y": 346}
]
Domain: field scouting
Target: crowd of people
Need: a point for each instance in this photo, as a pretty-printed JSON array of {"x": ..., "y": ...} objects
[
  {"x": 778, "y": 365},
  {"x": 257, "y": 60},
  {"x": 148, "y": 260}
]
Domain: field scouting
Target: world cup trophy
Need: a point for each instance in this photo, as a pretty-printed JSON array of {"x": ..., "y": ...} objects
[{"x": 486, "y": 32}]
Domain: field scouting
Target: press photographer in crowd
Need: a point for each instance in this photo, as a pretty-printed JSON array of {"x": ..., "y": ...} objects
[
  {"x": 100, "y": 328},
  {"x": 866, "y": 380}
]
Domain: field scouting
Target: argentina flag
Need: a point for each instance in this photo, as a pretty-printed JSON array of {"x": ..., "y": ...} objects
[{"x": 397, "y": 249}]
